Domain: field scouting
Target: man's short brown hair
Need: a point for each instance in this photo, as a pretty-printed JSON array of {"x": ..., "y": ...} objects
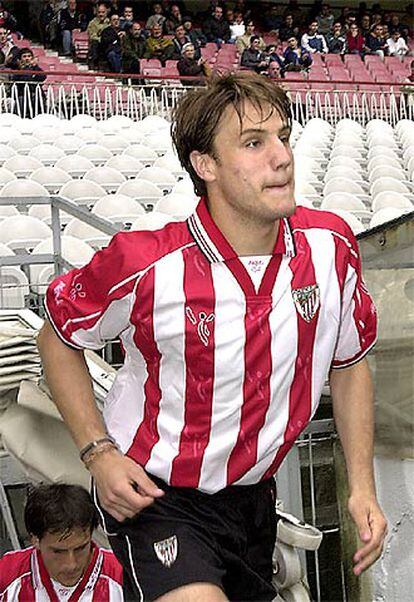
[{"x": 197, "y": 115}]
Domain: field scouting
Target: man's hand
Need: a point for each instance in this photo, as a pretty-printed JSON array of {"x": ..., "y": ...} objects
[
  {"x": 372, "y": 529},
  {"x": 124, "y": 489}
]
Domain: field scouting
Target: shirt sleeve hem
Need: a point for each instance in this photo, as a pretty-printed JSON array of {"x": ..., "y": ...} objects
[
  {"x": 354, "y": 360},
  {"x": 58, "y": 332}
]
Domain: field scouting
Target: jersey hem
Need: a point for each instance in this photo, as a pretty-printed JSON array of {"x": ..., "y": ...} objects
[{"x": 355, "y": 359}]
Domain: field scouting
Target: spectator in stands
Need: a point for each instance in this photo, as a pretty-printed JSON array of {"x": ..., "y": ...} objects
[
  {"x": 179, "y": 40},
  {"x": 253, "y": 58},
  {"x": 28, "y": 82},
  {"x": 288, "y": 29},
  {"x": 296, "y": 58},
  {"x": 95, "y": 29},
  {"x": 396, "y": 45},
  {"x": 7, "y": 20},
  {"x": 63, "y": 562},
  {"x": 365, "y": 26},
  {"x": 159, "y": 47},
  {"x": 273, "y": 57},
  {"x": 272, "y": 20},
  {"x": 133, "y": 45},
  {"x": 197, "y": 39},
  {"x": 127, "y": 18},
  {"x": 376, "y": 19},
  {"x": 69, "y": 19},
  {"x": 312, "y": 41},
  {"x": 375, "y": 43},
  {"x": 190, "y": 65},
  {"x": 336, "y": 40},
  {"x": 395, "y": 25},
  {"x": 173, "y": 20},
  {"x": 355, "y": 41},
  {"x": 325, "y": 20},
  {"x": 8, "y": 51},
  {"x": 243, "y": 42},
  {"x": 237, "y": 27},
  {"x": 49, "y": 22},
  {"x": 216, "y": 29},
  {"x": 274, "y": 71},
  {"x": 111, "y": 43},
  {"x": 156, "y": 17}
]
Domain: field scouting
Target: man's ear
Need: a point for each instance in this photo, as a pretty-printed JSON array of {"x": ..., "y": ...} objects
[
  {"x": 34, "y": 540},
  {"x": 204, "y": 166}
]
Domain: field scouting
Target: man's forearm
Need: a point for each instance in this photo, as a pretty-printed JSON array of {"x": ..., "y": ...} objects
[
  {"x": 69, "y": 381},
  {"x": 352, "y": 398}
]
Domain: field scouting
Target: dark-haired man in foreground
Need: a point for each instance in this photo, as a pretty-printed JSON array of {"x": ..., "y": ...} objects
[
  {"x": 231, "y": 321},
  {"x": 63, "y": 564}
]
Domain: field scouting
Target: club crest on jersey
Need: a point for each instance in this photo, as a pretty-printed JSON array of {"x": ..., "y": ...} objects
[
  {"x": 307, "y": 300},
  {"x": 167, "y": 550}
]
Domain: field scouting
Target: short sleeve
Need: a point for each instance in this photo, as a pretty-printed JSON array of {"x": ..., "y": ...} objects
[
  {"x": 91, "y": 305},
  {"x": 358, "y": 326}
]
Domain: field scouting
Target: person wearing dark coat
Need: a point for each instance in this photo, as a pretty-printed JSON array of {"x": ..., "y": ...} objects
[
  {"x": 190, "y": 65},
  {"x": 28, "y": 81},
  {"x": 132, "y": 48},
  {"x": 216, "y": 28},
  {"x": 111, "y": 44},
  {"x": 253, "y": 58}
]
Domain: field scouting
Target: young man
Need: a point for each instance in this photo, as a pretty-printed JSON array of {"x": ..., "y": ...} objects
[
  {"x": 312, "y": 41},
  {"x": 231, "y": 321},
  {"x": 63, "y": 564}
]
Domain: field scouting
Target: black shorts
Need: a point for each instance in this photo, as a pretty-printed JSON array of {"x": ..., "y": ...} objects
[{"x": 187, "y": 536}]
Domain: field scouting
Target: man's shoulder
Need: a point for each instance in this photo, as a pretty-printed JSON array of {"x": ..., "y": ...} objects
[
  {"x": 111, "y": 568},
  {"x": 13, "y": 565},
  {"x": 305, "y": 219}
]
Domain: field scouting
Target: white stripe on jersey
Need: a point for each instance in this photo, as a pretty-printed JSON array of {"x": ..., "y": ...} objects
[
  {"x": 230, "y": 309},
  {"x": 12, "y": 592},
  {"x": 115, "y": 591},
  {"x": 330, "y": 304},
  {"x": 169, "y": 337},
  {"x": 284, "y": 333},
  {"x": 349, "y": 343}
]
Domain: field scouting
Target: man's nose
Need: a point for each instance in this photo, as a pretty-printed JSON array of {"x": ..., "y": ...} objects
[{"x": 280, "y": 154}]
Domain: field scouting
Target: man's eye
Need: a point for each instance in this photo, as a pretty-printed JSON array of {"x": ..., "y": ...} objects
[{"x": 253, "y": 144}]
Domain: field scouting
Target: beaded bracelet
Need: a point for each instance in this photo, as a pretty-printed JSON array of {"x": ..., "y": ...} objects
[
  {"x": 94, "y": 444},
  {"x": 105, "y": 447}
]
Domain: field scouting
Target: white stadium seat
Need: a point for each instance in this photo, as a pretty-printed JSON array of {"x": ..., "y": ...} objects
[
  {"x": 394, "y": 199},
  {"x": 89, "y": 135},
  {"x": 116, "y": 144},
  {"x": 119, "y": 209},
  {"x": 95, "y": 152},
  {"x": 6, "y": 152},
  {"x": 171, "y": 163},
  {"x": 23, "y": 232},
  {"x": 160, "y": 142},
  {"x": 343, "y": 172},
  {"x": 46, "y": 119},
  {"x": 22, "y": 166},
  {"x": 48, "y": 154},
  {"x": 143, "y": 191},
  {"x": 152, "y": 123},
  {"x": 143, "y": 153},
  {"x": 94, "y": 237},
  {"x": 24, "y": 144},
  {"x": 110, "y": 179},
  {"x": 342, "y": 200},
  {"x": 6, "y": 176},
  {"x": 385, "y": 215},
  {"x": 47, "y": 134},
  {"x": 128, "y": 166},
  {"x": 162, "y": 178},
  {"x": 178, "y": 205},
  {"x": 7, "y": 211},
  {"x": 152, "y": 221},
  {"x": 83, "y": 192},
  {"x": 381, "y": 160},
  {"x": 19, "y": 188},
  {"x": 83, "y": 121},
  {"x": 52, "y": 178},
  {"x": 69, "y": 143},
  {"x": 382, "y": 171},
  {"x": 75, "y": 165},
  {"x": 388, "y": 184},
  {"x": 340, "y": 184}
]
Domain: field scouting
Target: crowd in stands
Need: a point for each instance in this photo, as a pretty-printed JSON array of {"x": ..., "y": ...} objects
[{"x": 120, "y": 35}]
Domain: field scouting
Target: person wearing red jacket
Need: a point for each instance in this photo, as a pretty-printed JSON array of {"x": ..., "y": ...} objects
[
  {"x": 355, "y": 43},
  {"x": 63, "y": 564}
]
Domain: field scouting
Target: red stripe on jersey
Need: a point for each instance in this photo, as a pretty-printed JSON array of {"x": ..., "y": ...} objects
[
  {"x": 300, "y": 396},
  {"x": 26, "y": 592},
  {"x": 199, "y": 369},
  {"x": 101, "y": 591},
  {"x": 144, "y": 338},
  {"x": 341, "y": 260}
]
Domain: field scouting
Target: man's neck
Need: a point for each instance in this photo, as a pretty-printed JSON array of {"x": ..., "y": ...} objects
[{"x": 247, "y": 236}]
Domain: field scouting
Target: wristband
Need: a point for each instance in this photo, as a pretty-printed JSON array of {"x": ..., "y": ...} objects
[
  {"x": 101, "y": 449},
  {"x": 94, "y": 444}
]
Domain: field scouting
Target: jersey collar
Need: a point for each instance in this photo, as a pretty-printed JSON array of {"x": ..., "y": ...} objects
[{"x": 215, "y": 246}]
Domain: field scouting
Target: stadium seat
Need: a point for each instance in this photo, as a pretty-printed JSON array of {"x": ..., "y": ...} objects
[
  {"x": 391, "y": 199},
  {"x": 23, "y": 144},
  {"x": 143, "y": 153},
  {"x": 343, "y": 185},
  {"x": 119, "y": 209},
  {"x": 382, "y": 160},
  {"x": 171, "y": 163},
  {"x": 143, "y": 191},
  {"x": 114, "y": 143},
  {"x": 6, "y": 176},
  {"x": 107, "y": 177},
  {"x": 385, "y": 215},
  {"x": 14, "y": 285},
  {"x": 7, "y": 134},
  {"x": 52, "y": 178},
  {"x": 348, "y": 124},
  {"x": 342, "y": 200},
  {"x": 151, "y": 221},
  {"x": 69, "y": 143},
  {"x": 343, "y": 172},
  {"x": 83, "y": 121},
  {"x": 97, "y": 153},
  {"x": 90, "y": 135},
  {"x": 159, "y": 176},
  {"x": 7, "y": 211},
  {"x": 23, "y": 232},
  {"x": 346, "y": 162},
  {"x": 128, "y": 166},
  {"x": 6, "y": 152},
  {"x": 45, "y": 120},
  {"x": 152, "y": 123},
  {"x": 185, "y": 186},
  {"x": 10, "y": 120},
  {"x": 75, "y": 165},
  {"x": 376, "y": 151},
  {"x": 160, "y": 142},
  {"x": 75, "y": 251},
  {"x": 47, "y": 154},
  {"x": 408, "y": 155},
  {"x": 22, "y": 188},
  {"x": 22, "y": 166},
  {"x": 94, "y": 237},
  {"x": 83, "y": 192},
  {"x": 119, "y": 122},
  {"x": 388, "y": 171},
  {"x": 386, "y": 184},
  {"x": 347, "y": 151},
  {"x": 178, "y": 205},
  {"x": 47, "y": 134},
  {"x": 133, "y": 135}
]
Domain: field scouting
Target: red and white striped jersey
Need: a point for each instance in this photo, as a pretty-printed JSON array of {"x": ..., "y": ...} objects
[
  {"x": 219, "y": 379},
  {"x": 24, "y": 578}
]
